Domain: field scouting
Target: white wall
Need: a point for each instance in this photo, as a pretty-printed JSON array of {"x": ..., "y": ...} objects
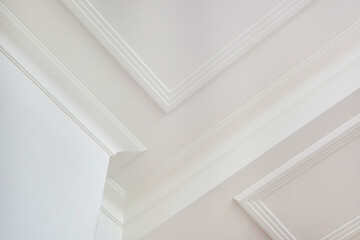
[{"x": 51, "y": 173}]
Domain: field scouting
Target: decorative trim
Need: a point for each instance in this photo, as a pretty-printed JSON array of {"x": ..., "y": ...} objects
[
  {"x": 332, "y": 89},
  {"x": 261, "y": 95},
  {"x": 111, "y": 183},
  {"x": 168, "y": 99},
  {"x": 346, "y": 231},
  {"x": 191, "y": 178},
  {"x": 103, "y": 111},
  {"x": 113, "y": 202},
  {"x": 111, "y": 217},
  {"x": 251, "y": 198}
]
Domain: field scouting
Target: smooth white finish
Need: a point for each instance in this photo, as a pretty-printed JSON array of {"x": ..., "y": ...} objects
[
  {"x": 314, "y": 93},
  {"x": 65, "y": 90},
  {"x": 107, "y": 229},
  {"x": 187, "y": 43},
  {"x": 216, "y": 215},
  {"x": 51, "y": 173},
  {"x": 289, "y": 79},
  {"x": 316, "y": 186},
  {"x": 252, "y": 85}
]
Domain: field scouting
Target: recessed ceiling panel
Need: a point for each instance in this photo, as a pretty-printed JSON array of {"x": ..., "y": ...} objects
[
  {"x": 175, "y": 37},
  {"x": 173, "y": 47},
  {"x": 313, "y": 196}
]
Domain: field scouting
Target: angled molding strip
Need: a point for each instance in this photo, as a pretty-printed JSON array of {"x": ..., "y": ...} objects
[
  {"x": 114, "y": 201},
  {"x": 121, "y": 192},
  {"x": 168, "y": 99},
  {"x": 111, "y": 217},
  {"x": 124, "y": 140},
  {"x": 257, "y": 98},
  {"x": 109, "y": 183},
  {"x": 342, "y": 80},
  {"x": 178, "y": 188},
  {"x": 115, "y": 138},
  {"x": 346, "y": 231},
  {"x": 251, "y": 198}
]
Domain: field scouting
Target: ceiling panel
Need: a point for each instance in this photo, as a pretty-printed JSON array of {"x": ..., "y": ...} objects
[
  {"x": 172, "y": 48},
  {"x": 313, "y": 195},
  {"x": 216, "y": 216},
  {"x": 291, "y": 77}
]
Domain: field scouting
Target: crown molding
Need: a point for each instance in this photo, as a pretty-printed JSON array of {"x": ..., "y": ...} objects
[
  {"x": 344, "y": 89},
  {"x": 289, "y": 76},
  {"x": 326, "y": 89},
  {"x": 78, "y": 103},
  {"x": 113, "y": 203},
  {"x": 126, "y": 146},
  {"x": 168, "y": 99},
  {"x": 111, "y": 217},
  {"x": 251, "y": 199},
  {"x": 110, "y": 186},
  {"x": 346, "y": 231}
]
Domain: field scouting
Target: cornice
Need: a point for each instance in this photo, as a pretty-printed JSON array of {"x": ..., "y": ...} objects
[
  {"x": 115, "y": 137},
  {"x": 113, "y": 203},
  {"x": 330, "y": 88},
  {"x": 253, "y": 101},
  {"x": 132, "y": 143},
  {"x": 178, "y": 188},
  {"x": 126, "y": 142},
  {"x": 251, "y": 198},
  {"x": 259, "y": 97},
  {"x": 111, "y": 217},
  {"x": 111, "y": 183},
  {"x": 346, "y": 231},
  {"x": 168, "y": 99}
]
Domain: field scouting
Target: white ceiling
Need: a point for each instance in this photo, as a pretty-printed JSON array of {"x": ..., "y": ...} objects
[
  {"x": 302, "y": 198},
  {"x": 172, "y": 48},
  {"x": 216, "y": 214},
  {"x": 174, "y": 38},
  {"x": 243, "y": 76}
]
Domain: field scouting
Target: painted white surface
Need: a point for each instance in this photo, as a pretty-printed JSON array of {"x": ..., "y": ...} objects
[
  {"x": 180, "y": 35},
  {"x": 80, "y": 104},
  {"x": 217, "y": 216},
  {"x": 222, "y": 102},
  {"x": 233, "y": 96},
  {"x": 106, "y": 229},
  {"x": 323, "y": 198},
  {"x": 314, "y": 194},
  {"x": 51, "y": 173},
  {"x": 286, "y": 80},
  {"x": 314, "y": 89},
  {"x": 173, "y": 48}
]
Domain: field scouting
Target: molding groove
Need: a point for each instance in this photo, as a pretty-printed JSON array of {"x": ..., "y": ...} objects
[
  {"x": 168, "y": 99},
  {"x": 240, "y": 111},
  {"x": 178, "y": 188},
  {"x": 139, "y": 146},
  {"x": 346, "y": 231},
  {"x": 109, "y": 215},
  {"x": 20, "y": 27},
  {"x": 111, "y": 183},
  {"x": 113, "y": 202},
  {"x": 251, "y": 198},
  {"x": 47, "y": 93},
  {"x": 105, "y": 113}
]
